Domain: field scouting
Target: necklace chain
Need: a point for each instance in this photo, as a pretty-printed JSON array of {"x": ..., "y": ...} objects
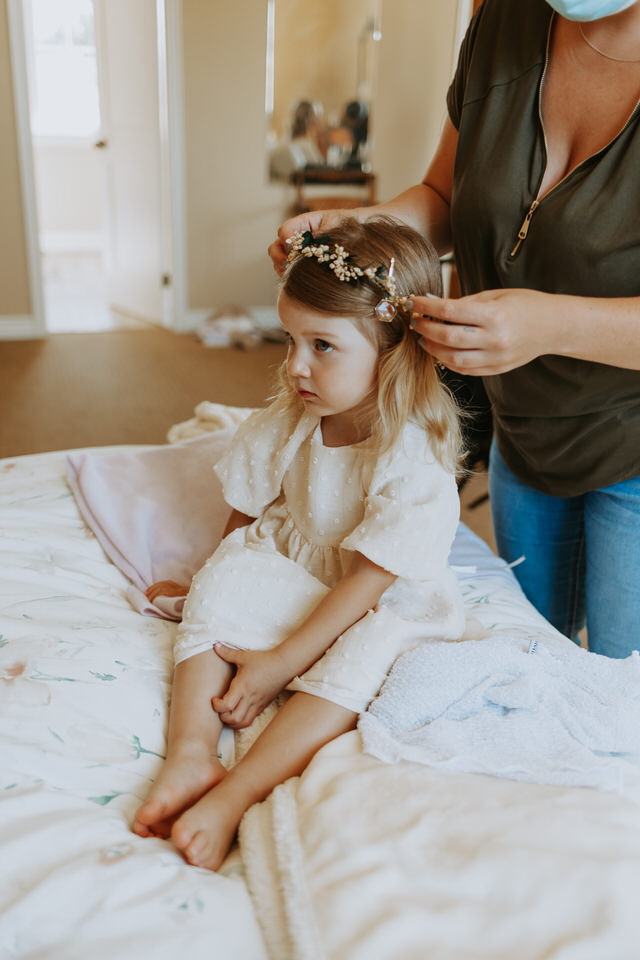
[{"x": 602, "y": 53}]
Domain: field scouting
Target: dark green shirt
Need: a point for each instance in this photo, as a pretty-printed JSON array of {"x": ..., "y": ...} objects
[{"x": 564, "y": 426}]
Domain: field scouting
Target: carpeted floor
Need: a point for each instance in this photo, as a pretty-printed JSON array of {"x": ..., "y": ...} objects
[
  {"x": 125, "y": 386},
  {"x": 129, "y": 386}
]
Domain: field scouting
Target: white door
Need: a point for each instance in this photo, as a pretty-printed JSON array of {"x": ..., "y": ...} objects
[{"x": 127, "y": 54}]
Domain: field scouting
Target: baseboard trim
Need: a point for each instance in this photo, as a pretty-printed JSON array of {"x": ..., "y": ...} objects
[{"x": 21, "y": 328}]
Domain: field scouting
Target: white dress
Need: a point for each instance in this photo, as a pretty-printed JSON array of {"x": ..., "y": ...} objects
[{"x": 315, "y": 505}]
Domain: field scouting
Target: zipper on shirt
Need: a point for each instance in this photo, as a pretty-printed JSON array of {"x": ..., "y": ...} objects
[{"x": 524, "y": 229}]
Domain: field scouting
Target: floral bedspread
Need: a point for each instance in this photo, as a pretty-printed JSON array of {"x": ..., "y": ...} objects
[
  {"x": 84, "y": 681},
  {"x": 441, "y": 865}
]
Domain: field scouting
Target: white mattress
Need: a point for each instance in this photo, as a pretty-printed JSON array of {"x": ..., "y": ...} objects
[
  {"x": 83, "y": 700},
  {"x": 356, "y": 859}
]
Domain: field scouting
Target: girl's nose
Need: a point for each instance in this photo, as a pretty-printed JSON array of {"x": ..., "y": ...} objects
[{"x": 296, "y": 364}]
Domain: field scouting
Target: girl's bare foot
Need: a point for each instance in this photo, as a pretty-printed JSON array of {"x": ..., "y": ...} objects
[
  {"x": 187, "y": 774},
  {"x": 205, "y": 832}
]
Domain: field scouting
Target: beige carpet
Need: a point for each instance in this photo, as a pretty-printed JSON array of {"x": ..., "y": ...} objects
[
  {"x": 125, "y": 386},
  {"x": 129, "y": 386}
]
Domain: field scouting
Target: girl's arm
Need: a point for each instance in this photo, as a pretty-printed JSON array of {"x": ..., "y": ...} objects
[
  {"x": 498, "y": 330},
  {"x": 262, "y": 674}
]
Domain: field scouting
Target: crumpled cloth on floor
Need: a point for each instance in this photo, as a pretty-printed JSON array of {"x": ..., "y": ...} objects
[{"x": 550, "y": 713}]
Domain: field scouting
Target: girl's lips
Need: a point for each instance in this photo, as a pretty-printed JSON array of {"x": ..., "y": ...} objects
[{"x": 306, "y": 394}]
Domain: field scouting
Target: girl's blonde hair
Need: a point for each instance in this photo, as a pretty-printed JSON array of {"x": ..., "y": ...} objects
[{"x": 408, "y": 384}]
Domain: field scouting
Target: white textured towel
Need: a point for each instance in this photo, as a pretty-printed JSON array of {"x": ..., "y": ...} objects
[{"x": 546, "y": 713}]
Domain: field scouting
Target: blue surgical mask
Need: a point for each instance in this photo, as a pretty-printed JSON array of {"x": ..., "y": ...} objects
[{"x": 585, "y": 10}]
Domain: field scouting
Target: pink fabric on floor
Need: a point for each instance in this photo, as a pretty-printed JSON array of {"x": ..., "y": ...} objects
[{"x": 158, "y": 512}]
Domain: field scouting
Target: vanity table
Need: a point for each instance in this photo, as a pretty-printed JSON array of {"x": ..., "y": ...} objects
[{"x": 314, "y": 188}]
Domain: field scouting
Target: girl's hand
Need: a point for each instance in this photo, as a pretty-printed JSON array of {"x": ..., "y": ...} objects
[
  {"x": 260, "y": 677},
  {"x": 165, "y": 588},
  {"x": 318, "y": 221},
  {"x": 489, "y": 332}
]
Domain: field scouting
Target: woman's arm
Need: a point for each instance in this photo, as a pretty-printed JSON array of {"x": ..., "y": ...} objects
[
  {"x": 425, "y": 207},
  {"x": 498, "y": 330},
  {"x": 261, "y": 675}
]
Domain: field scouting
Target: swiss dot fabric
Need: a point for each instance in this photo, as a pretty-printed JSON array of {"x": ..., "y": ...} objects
[{"x": 315, "y": 506}]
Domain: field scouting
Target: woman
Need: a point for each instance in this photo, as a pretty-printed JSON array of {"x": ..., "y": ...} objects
[{"x": 535, "y": 185}]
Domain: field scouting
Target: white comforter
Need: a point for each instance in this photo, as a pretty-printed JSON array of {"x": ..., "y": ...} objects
[
  {"x": 407, "y": 862},
  {"x": 83, "y": 697},
  {"x": 356, "y": 860},
  {"x": 378, "y": 861}
]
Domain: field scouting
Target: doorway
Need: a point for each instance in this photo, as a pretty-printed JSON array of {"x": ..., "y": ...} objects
[{"x": 96, "y": 75}]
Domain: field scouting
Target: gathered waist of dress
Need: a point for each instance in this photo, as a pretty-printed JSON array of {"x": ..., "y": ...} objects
[{"x": 277, "y": 530}]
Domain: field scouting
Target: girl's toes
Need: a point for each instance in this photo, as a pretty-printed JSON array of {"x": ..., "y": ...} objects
[
  {"x": 149, "y": 819},
  {"x": 182, "y": 835},
  {"x": 140, "y": 828},
  {"x": 197, "y": 852}
]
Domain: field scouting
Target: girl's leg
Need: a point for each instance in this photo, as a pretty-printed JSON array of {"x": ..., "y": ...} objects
[
  {"x": 192, "y": 766},
  {"x": 305, "y": 723},
  {"x": 612, "y": 526},
  {"x": 549, "y": 533}
]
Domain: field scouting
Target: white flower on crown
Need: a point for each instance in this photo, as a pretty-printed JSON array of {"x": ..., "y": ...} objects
[{"x": 341, "y": 263}]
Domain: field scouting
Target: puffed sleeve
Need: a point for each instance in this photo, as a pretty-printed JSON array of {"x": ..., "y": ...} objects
[
  {"x": 411, "y": 512},
  {"x": 251, "y": 471}
]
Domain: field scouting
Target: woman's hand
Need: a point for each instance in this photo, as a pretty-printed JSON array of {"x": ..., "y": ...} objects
[
  {"x": 260, "y": 676},
  {"x": 318, "y": 221},
  {"x": 490, "y": 332}
]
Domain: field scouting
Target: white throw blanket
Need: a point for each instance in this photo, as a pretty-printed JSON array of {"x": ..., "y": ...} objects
[{"x": 550, "y": 713}]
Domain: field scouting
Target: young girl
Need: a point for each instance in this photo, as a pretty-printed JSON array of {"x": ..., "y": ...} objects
[{"x": 334, "y": 560}]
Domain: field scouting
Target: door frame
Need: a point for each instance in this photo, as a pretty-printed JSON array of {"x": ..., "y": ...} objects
[
  {"x": 32, "y": 325},
  {"x": 464, "y": 13},
  {"x": 171, "y": 99}
]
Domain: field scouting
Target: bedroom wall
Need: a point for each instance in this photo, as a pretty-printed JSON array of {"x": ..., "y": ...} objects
[
  {"x": 323, "y": 64},
  {"x": 231, "y": 209},
  {"x": 15, "y": 299},
  {"x": 417, "y": 56},
  {"x": 232, "y": 212}
]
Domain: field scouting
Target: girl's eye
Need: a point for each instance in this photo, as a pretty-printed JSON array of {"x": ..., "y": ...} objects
[
  {"x": 288, "y": 339},
  {"x": 322, "y": 346}
]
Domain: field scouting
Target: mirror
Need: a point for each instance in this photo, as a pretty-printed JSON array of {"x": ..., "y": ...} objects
[{"x": 320, "y": 73}]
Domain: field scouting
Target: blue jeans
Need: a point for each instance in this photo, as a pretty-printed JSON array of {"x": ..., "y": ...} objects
[{"x": 582, "y": 555}]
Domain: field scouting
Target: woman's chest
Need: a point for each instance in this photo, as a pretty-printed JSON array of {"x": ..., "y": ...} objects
[{"x": 586, "y": 101}]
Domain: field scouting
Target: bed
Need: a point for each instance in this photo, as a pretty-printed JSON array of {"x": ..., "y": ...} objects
[{"x": 361, "y": 857}]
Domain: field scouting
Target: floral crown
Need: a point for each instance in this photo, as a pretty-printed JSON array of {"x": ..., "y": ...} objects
[{"x": 345, "y": 268}]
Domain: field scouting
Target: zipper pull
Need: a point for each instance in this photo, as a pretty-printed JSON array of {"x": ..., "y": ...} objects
[{"x": 524, "y": 229}]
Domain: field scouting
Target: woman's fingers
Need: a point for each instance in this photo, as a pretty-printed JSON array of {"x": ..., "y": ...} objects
[
  {"x": 471, "y": 311},
  {"x": 278, "y": 252},
  {"x": 318, "y": 222},
  {"x": 279, "y": 249},
  {"x": 485, "y": 333}
]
